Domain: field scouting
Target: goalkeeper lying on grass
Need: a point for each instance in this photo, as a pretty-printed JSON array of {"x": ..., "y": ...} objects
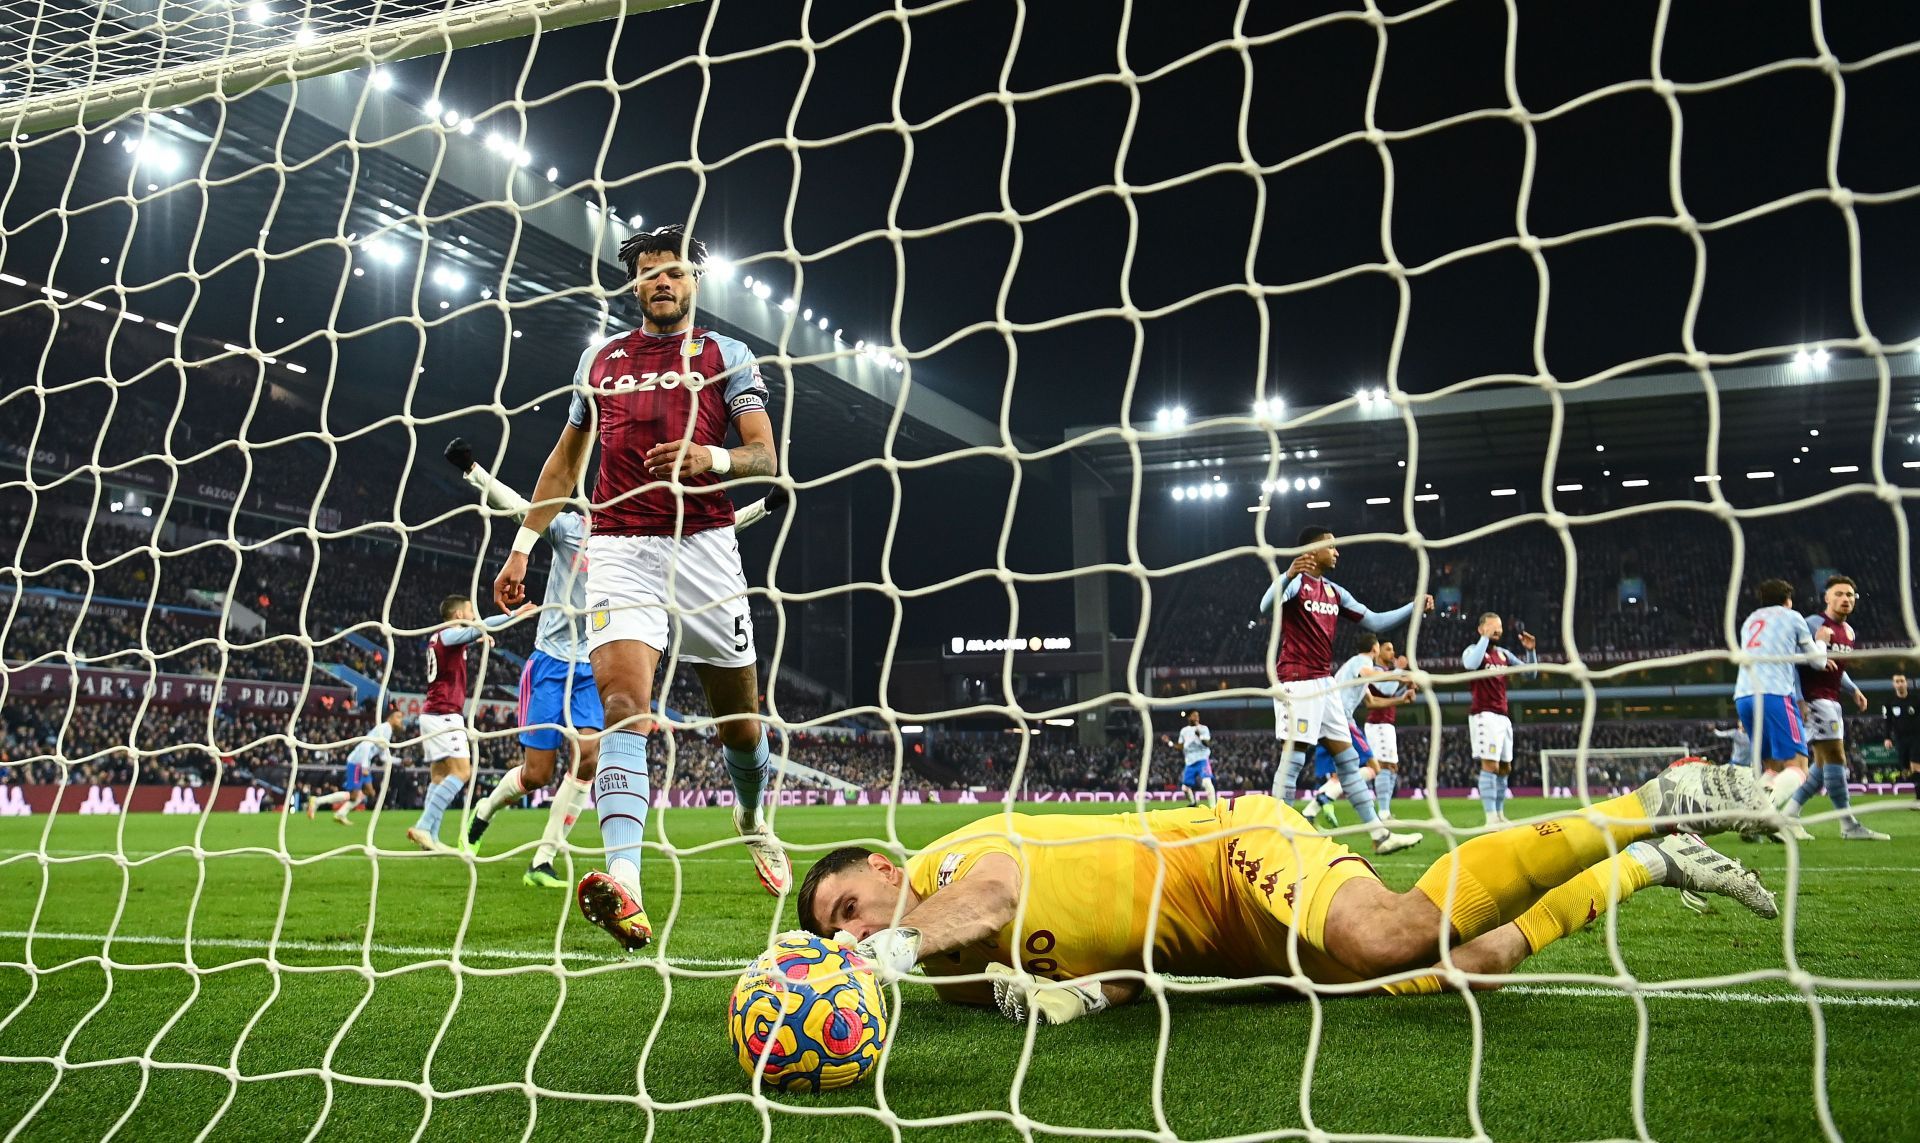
[{"x": 1022, "y": 897}]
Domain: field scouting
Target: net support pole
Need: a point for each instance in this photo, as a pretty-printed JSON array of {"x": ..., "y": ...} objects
[{"x": 435, "y": 32}]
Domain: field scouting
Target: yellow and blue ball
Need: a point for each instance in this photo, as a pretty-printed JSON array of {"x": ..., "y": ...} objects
[{"x": 814, "y": 1009}]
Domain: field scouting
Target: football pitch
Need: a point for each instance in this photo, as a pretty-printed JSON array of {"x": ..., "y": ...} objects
[{"x": 361, "y": 1014}]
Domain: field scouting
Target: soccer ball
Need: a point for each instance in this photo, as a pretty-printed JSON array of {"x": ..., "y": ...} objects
[{"x": 814, "y": 1009}]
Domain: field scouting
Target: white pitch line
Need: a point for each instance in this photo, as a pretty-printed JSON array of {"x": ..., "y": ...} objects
[
  {"x": 529, "y": 956},
  {"x": 400, "y": 855},
  {"x": 1720, "y": 996},
  {"x": 409, "y": 855}
]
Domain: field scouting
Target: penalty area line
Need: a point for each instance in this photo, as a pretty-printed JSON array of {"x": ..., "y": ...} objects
[
  {"x": 259, "y": 947},
  {"x": 1723, "y": 996}
]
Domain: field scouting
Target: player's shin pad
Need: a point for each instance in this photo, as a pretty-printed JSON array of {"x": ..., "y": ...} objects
[
  {"x": 1582, "y": 899},
  {"x": 1286, "y": 778},
  {"x": 1494, "y": 878},
  {"x": 1354, "y": 784},
  {"x": 623, "y": 794},
  {"x": 748, "y": 769}
]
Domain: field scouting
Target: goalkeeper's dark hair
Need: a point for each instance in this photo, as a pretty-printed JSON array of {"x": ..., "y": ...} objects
[
  {"x": 451, "y": 604},
  {"x": 661, "y": 240},
  {"x": 1312, "y": 534},
  {"x": 1773, "y": 592},
  {"x": 837, "y": 861}
]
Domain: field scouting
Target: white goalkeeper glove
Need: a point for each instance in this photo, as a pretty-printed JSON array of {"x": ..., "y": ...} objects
[
  {"x": 893, "y": 952},
  {"x": 1055, "y": 1002}
]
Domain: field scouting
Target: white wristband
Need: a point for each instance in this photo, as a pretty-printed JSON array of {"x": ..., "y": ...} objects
[
  {"x": 722, "y": 459},
  {"x": 524, "y": 540}
]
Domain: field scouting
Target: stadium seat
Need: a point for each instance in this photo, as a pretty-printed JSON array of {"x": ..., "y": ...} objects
[
  {"x": 180, "y": 801},
  {"x": 250, "y": 801},
  {"x": 13, "y": 802},
  {"x": 99, "y": 801}
]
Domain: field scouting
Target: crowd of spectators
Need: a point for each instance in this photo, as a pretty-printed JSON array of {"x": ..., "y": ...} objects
[
  {"x": 1641, "y": 582},
  {"x": 172, "y": 749},
  {"x": 1245, "y": 760},
  {"x": 101, "y": 740},
  {"x": 223, "y": 424},
  {"x": 105, "y": 741}
]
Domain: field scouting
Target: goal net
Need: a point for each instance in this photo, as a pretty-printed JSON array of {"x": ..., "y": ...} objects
[{"x": 1072, "y": 322}]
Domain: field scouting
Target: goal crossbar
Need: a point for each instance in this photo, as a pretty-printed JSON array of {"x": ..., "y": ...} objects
[{"x": 89, "y": 98}]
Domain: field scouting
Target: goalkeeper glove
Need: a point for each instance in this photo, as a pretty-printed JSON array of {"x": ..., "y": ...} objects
[
  {"x": 776, "y": 500},
  {"x": 893, "y": 952},
  {"x": 759, "y": 510},
  {"x": 460, "y": 454},
  {"x": 1054, "y": 1002}
]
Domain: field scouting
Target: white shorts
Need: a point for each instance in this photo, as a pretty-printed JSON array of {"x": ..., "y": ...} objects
[
  {"x": 443, "y": 736},
  {"x": 1309, "y": 711},
  {"x": 635, "y": 582},
  {"x": 1491, "y": 735},
  {"x": 1824, "y": 723},
  {"x": 1383, "y": 738}
]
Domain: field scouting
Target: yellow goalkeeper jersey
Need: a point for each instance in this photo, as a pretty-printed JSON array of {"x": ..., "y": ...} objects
[{"x": 1220, "y": 889}]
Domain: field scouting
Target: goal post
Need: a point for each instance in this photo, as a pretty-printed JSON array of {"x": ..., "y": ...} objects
[
  {"x": 149, "y": 57},
  {"x": 1588, "y": 774}
]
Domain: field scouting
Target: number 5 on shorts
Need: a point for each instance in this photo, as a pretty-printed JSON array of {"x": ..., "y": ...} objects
[{"x": 739, "y": 633}]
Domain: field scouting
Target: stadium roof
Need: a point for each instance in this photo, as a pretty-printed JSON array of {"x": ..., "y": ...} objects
[
  {"x": 1628, "y": 424},
  {"x": 438, "y": 193}
]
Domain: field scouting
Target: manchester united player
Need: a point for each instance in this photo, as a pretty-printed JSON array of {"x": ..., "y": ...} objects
[
  {"x": 1826, "y": 732},
  {"x": 1307, "y": 605},
  {"x": 443, "y": 725},
  {"x": 662, "y": 399},
  {"x": 1385, "y": 697},
  {"x": 1489, "y": 727},
  {"x": 1766, "y": 694}
]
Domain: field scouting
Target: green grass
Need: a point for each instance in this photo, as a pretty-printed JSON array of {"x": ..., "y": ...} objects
[{"x": 336, "y": 1040}]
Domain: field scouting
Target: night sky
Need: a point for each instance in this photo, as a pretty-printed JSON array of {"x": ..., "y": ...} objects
[{"x": 1780, "y": 279}]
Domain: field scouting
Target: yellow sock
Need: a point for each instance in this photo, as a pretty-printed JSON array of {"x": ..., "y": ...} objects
[
  {"x": 1580, "y": 901},
  {"x": 1502, "y": 874}
]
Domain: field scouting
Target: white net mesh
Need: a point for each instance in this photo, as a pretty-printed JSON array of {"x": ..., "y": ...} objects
[{"x": 239, "y": 325}]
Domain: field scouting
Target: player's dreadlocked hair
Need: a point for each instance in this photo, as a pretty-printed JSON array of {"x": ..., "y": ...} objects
[{"x": 661, "y": 240}]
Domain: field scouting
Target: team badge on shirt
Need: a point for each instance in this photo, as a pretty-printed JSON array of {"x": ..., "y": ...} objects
[
  {"x": 948, "y": 864},
  {"x": 694, "y": 347}
]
